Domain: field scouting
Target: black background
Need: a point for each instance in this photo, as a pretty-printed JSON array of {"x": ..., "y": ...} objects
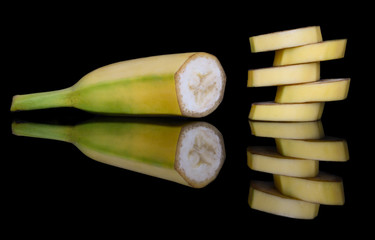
[{"x": 50, "y": 188}]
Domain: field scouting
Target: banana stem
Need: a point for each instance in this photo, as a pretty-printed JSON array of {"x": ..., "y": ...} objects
[
  {"x": 38, "y": 130},
  {"x": 51, "y": 99}
]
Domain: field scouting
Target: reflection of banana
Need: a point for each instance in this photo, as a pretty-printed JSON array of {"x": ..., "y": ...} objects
[
  {"x": 289, "y": 130},
  {"x": 189, "y": 153},
  {"x": 325, "y": 188},
  {"x": 299, "y": 187},
  {"x": 324, "y": 149},
  {"x": 267, "y": 159},
  {"x": 263, "y": 196}
]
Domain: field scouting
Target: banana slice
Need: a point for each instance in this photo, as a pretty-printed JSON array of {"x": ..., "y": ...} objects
[
  {"x": 322, "y": 51},
  {"x": 264, "y": 197},
  {"x": 296, "y": 112},
  {"x": 325, "y": 149},
  {"x": 324, "y": 188},
  {"x": 285, "y": 39},
  {"x": 282, "y": 75},
  {"x": 289, "y": 130},
  {"x": 267, "y": 159},
  {"x": 320, "y": 91}
]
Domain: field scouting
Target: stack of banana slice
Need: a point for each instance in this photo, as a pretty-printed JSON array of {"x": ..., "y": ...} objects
[
  {"x": 293, "y": 119},
  {"x": 301, "y": 93},
  {"x": 299, "y": 186}
]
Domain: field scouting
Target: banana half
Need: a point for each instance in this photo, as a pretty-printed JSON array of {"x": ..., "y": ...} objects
[{"x": 184, "y": 84}]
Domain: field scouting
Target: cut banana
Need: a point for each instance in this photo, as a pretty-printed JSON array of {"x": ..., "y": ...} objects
[
  {"x": 293, "y": 130},
  {"x": 285, "y": 39},
  {"x": 325, "y": 149},
  {"x": 186, "y": 84},
  {"x": 324, "y": 188},
  {"x": 323, "y": 51},
  {"x": 297, "y": 112},
  {"x": 267, "y": 159},
  {"x": 320, "y": 91},
  {"x": 264, "y": 197},
  {"x": 282, "y": 75}
]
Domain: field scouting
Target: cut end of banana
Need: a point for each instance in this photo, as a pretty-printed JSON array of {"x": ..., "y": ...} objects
[
  {"x": 200, "y": 154},
  {"x": 200, "y": 84}
]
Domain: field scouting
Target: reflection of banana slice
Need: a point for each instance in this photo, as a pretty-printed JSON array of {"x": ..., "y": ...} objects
[
  {"x": 322, "y": 51},
  {"x": 320, "y": 91},
  {"x": 293, "y": 130},
  {"x": 324, "y": 188},
  {"x": 296, "y": 112},
  {"x": 264, "y": 197},
  {"x": 285, "y": 39},
  {"x": 290, "y": 74},
  {"x": 200, "y": 154},
  {"x": 325, "y": 149},
  {"x": 267, "y": 159}
]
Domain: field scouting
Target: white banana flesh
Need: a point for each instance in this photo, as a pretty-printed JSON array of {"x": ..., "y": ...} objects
[{"x": 200, "y": 154}]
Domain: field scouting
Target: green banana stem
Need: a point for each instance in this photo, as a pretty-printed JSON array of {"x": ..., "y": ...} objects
[
  {"x": 38, "y": 130},
  {"x": 51, "y": 99}
]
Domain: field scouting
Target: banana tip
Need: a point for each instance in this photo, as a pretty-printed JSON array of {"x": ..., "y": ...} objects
[
  {"x": 14, "y": 128},
  {"x": 13, "y": 107}
]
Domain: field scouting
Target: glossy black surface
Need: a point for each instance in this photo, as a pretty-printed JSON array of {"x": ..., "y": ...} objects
[{"x": 50, "y": 187}]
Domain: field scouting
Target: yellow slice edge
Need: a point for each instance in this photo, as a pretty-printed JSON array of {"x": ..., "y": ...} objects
[
  {"x": 321, "y": 91},
  {"x": 295, "y": 112},
  {"x": 325, "y": 149},
  {"x": 285, "y": 39},
  {"x": 267, "y": 159},
  {"x": 315, "y": 52},
  {"x": 289, "y": 130},
  {"x": 325, "y": 188},
  {"x": 282, "y": 75}
]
